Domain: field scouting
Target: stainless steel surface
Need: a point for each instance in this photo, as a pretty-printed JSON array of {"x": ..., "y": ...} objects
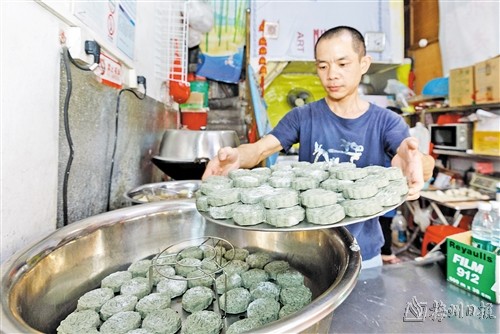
[
  {"x": 161, "y": 191},
  {"x": 42, "y": 283},
  {"x": 303, "y": 225},
  {"x": 378, "y": 303},
  {"x": 191, "y": 146}
]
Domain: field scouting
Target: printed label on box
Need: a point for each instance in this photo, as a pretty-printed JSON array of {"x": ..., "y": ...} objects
[{"x": 471, "y": 268}]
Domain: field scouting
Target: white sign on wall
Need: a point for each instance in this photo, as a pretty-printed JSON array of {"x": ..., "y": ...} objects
[
  {"x": 115, "y": 20},
  {"x": 290, "y": 29}
]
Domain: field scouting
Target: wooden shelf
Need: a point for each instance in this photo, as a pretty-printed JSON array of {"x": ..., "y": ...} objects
[
  {"x": 470, "y": 155},
  {"x": 464, "y": 108}
]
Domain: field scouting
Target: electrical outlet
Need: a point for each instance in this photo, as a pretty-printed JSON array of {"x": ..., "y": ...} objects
[
  {"x": 130, "y": 78},
  {"x": 75, "y": 42}
]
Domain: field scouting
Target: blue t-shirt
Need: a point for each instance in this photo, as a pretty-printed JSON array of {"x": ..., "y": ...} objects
[{"x": 370, "y": 139}]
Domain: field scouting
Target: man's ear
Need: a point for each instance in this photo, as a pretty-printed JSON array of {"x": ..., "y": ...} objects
[{"x": 365, "y": 62}]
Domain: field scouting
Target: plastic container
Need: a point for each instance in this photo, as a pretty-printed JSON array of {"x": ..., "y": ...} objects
[
  {"x": 399, "y": 227},
  {"x": 481, "y": 227},
  {"x": 423, "y": 135},
  {"x": 495, "y": 227}
]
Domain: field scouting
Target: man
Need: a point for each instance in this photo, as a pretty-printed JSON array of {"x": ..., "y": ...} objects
[{"x": 341, "y": 127}]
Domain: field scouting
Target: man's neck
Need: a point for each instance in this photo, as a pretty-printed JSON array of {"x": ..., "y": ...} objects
[{"x": 348, "y": 108}]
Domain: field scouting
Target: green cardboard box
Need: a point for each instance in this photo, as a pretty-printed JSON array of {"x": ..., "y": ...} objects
[{"x": 472, "y": 269}]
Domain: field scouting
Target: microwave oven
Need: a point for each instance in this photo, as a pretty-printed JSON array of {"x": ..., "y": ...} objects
[{"x": 452, "y": 136}]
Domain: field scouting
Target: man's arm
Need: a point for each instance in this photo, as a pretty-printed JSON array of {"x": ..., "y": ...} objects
[
  {"x": 416, "y": 166},
  {"x": 243, "y": 156}
]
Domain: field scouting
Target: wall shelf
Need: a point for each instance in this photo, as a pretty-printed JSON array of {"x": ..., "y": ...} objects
[
  {"x": 469, "y": 155},
  {"x": 487, "y": 106}
]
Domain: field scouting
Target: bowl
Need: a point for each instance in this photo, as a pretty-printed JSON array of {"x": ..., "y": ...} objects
[
  {"x": 42, "y": 283},
  {"x": 183, "y": 154}
]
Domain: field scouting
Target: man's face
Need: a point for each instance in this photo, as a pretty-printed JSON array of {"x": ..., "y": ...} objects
[{"x": 339, "y": 67}]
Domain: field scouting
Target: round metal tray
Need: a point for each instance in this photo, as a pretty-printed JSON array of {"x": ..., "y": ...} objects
[
  {"x": 163, "y": 191},
  {"x": 303, "y": 225}
]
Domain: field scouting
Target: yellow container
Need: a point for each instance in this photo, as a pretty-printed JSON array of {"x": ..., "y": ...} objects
[{"x": 486, "y": 142}]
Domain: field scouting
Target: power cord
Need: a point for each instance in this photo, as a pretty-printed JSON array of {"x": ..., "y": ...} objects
[
  {"x": 141, "y": 80},
  {"x": 69, "y": 85},
  {"x": 91, "y": 47}
]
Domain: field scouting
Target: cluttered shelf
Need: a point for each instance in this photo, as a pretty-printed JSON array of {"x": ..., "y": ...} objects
[
  {"x": 485, "y": 106},
  {"x": 426, "y": 108}
]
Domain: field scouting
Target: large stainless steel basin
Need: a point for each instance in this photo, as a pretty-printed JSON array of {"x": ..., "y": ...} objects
[{"x": 41, "y": 284}]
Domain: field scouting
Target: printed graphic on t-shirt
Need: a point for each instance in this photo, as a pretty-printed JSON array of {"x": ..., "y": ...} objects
[{"x": 351, "y": 149}]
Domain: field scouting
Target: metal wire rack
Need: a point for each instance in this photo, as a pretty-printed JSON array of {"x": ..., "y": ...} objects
[{"x": 210, "y": 247}]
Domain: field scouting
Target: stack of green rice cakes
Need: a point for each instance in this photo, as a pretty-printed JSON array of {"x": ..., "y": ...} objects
[
  {"x": 286, "y": 194},
  {"x": 189, "y": 293}
]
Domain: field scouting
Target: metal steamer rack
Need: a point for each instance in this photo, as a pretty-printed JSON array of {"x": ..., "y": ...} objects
[{"x": 172, "y": 256}]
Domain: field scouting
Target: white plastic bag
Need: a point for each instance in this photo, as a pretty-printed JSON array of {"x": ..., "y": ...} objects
[{"x": 201, "y": 15}]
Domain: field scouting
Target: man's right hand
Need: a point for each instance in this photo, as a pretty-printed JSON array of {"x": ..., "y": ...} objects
[{"x": 226, "y": 160}]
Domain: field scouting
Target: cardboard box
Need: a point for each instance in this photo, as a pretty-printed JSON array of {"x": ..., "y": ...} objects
[
  {"x": 487, "y": 80},
  {"x": 461, "y": 86},
  {"x": 486, "y": 134},
  {"x": 471, "y": 268}
]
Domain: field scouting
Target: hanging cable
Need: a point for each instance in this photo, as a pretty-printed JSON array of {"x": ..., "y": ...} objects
[
  {"x": 69, "y": 88},
  {"x": 92, "y": 48},
  {"x": 140, "y": 80}
]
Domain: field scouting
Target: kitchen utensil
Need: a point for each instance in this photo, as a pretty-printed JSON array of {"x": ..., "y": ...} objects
[{"x": 42, "y": 282}]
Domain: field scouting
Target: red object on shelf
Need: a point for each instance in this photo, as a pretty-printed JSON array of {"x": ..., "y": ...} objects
[
  {"x": 434, "y": 234},
  {"x": 447, "y": 119},
  {"x": 194, "y": 120}
]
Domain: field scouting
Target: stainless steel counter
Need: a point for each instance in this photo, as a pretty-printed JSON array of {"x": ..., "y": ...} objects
[{"x": 405, "y": 298}]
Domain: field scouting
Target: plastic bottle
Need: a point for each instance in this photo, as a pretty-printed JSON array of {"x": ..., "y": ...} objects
[
  {"x": 423, "y": 135},
  {"x": 398, "y": 227},
  {"x": 481, "y": 227},
  {"x": 495, "y": 227}
]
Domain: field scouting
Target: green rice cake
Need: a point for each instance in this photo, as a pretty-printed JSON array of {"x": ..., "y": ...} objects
[
  {"x": 314, "y": 198},
  {"x": 253, "y": 276},
  {"x": 235, "y": 301},
  {"x": 151, "y": 302},
  {"x": 119, "y": 303},
  {"x": 83, "y": 321},
  {"x": 203, "y": 322},
  {"x": 275, "y": 267},
  {"x": 325, "y": 215},
  {"x": 163, "y": 321},
  {"x": 296, "y": 295},
  {"x": 285, "y": 217},
  {"x": 121, "y": 322},
  {"x": 115, "y": 280},
  {"x": 265, "y": 290},
  {"x": 94, "y": 299},
  {"x": 258, "y": 259},
  {"x": 243, "y": 326},
  {"x": 140, "y": 268},
  {"x": 137, "y": 286},
  {"x": 290, "y": 277},
  {"x": 197, "y": 299},
  {"x": 174, "y": 286},
  {"x": 264, "y": 309},
  {"x": 225, "y": 282}
]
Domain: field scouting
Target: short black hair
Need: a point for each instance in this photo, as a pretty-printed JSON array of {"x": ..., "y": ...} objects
[{"x": 358, "y": 41}]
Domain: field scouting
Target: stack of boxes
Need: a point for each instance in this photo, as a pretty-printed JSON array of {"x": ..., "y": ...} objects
[{"x": 475, "y": 85}]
